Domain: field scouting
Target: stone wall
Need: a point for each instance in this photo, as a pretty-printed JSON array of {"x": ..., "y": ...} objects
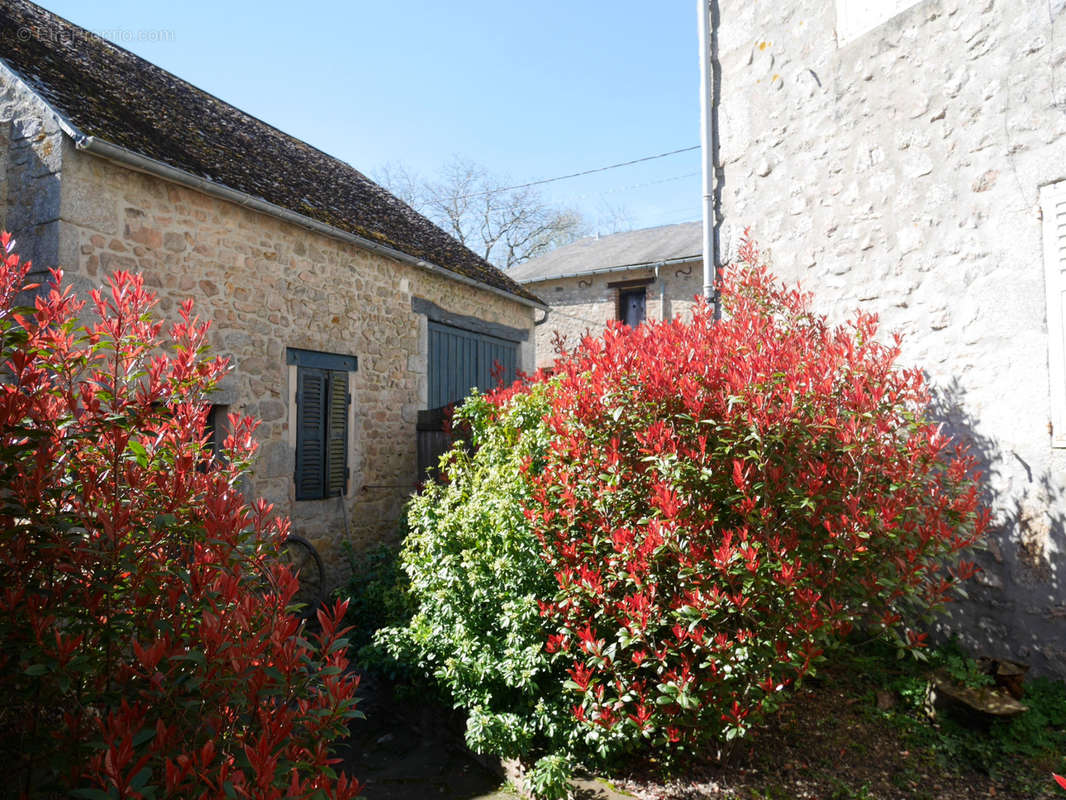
[
  {"x": 30, "y": 163},
  {"x": 268, "y": 285},
  {"x": 589, "y": 303},
  {"x": 898, "y": 172}
]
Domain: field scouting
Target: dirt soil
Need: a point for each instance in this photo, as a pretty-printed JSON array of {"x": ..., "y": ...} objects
[
  {"x": 824, "y": 743},
  {"x": 409, "y": 748}
]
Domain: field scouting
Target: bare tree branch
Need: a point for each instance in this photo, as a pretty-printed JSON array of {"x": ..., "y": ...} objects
[
  {"x": 395, "y": 177},
  {"x": 505, "y": 226}
]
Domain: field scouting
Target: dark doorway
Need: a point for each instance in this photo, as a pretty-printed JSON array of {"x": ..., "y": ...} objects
[{"x": 631, "y": 306}]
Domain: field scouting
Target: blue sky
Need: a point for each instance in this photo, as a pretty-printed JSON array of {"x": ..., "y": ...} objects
[{"x": 530, "y": 90}]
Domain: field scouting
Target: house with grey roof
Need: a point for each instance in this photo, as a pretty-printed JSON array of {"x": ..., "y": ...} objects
[
  {"x": 343, "y": 312},
  {"x": 653, "y": 273}
]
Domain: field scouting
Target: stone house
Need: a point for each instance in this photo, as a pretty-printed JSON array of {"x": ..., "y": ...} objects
[
  {"x": 654, "y": 273},
  {"x": 335, "y": 302},
  {"x": 908, "y": 157}
]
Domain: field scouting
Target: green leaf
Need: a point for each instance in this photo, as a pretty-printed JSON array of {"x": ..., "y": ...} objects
[
  {"x": 196, "y": 656},
  {"x": 142, "y": 736},
  {"x": 141, "y": 778},
  {"x": 140, "y": 454}
]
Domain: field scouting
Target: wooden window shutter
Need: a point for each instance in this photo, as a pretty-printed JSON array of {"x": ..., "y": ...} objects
[
  {"x": 1053, "y": 209},
  {"x": 323, "y": 398},
  {"x": 336, "y": 472},
  {"x": 311, "y": 401}
]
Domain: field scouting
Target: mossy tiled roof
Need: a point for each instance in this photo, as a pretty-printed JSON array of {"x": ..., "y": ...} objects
[{"x": 111, "y": 94}]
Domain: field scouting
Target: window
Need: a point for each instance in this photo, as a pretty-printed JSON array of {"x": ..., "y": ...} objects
[
  {"x": 1053, "y": 211},
  {"x": 216, "y": 429},
  {"x": 631, "y": 305},
  {"x": 460, "y": 360},
  {"x": 323, "y": 398}
]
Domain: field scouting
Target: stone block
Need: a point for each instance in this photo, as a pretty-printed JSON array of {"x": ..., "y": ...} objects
[
  {"x": 46, "y": 199},
  {"x": 270, "y": 410},
  {"x": 174, "y": 242},
  {"x": 275, "y": 459}
]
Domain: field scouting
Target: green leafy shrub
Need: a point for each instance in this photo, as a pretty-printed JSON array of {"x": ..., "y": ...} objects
[
  {"x": 645, "y": 548},
  {"x": 477, "y": 576},
  {"x": 549, "y": 778},
  {"x": 1040, "y": 730},
  {"x": 378, "y": 596}
]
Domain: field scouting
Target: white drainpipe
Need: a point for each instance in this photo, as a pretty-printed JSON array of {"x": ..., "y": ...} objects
[
  {"x": 708, "y": 141},
  {"x": 662, "y": 290}
]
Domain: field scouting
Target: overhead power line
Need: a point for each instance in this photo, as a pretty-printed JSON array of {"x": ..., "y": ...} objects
[
  {"x": 578, "y": 174},
  {"x": 630, "y": 187}
]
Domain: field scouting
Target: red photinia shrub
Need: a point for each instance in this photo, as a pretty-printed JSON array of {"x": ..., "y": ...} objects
[
  {"x": 145, "y": 648},
  {"x": 721, "y": 499}
]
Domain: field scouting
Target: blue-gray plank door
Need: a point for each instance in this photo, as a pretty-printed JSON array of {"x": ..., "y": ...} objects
[{"x": 460, "y": 360}]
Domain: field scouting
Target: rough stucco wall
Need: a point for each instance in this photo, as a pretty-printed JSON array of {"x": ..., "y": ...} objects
[
  {"x": 267, "y": 286},
  {"x": 588, "y": 304},
  {"x": 899, "y": 172}
]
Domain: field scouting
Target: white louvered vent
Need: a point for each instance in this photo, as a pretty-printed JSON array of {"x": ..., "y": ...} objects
[{"x": 1053, "y": 209}]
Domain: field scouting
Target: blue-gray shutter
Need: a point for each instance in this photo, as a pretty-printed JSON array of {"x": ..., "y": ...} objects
[
  {"x": 311, "y": 401},
  {"x": 497, "y": 361},
  {"x": 460, "y": 360},
  {"x": 453, "y": 364},
  {"x": 336, "y": 471}
]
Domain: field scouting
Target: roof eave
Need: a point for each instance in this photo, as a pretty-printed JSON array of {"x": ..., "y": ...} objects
[{"x": 623, "y": 268}]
